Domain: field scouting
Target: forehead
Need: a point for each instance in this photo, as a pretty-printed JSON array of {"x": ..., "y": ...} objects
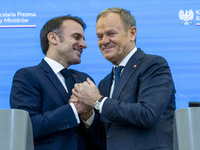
[
  {"x": 71, "y": 26},
  {"x": 109, "y": 21}
]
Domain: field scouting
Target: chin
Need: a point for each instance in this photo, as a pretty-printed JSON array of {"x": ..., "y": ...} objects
[
  {"x": 78, "y": 62},
  {"x": 108, "y": 57}
]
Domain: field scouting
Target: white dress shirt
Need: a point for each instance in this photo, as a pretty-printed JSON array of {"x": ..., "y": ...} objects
[
  {"x": 57, "y": 67},
  {"x": 123, "y": 63}
]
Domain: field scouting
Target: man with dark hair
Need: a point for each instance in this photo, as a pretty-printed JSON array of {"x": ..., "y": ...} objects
[
  {"x": 44, "y": 90},
  {"x": 136, "y": 101}
]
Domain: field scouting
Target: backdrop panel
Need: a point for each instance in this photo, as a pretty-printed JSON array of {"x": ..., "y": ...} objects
[{"x": 160, "y": 30}]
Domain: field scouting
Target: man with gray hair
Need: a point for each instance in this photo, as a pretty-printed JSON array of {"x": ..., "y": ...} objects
[{"x": 136, "y": 101}]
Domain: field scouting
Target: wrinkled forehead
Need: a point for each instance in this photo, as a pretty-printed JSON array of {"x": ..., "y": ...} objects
[{"x": 109, "y": 22}]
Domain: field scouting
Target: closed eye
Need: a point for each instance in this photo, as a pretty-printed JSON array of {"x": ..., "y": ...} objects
[
  {"x": 112, "y": 34},
  {"x": 99, "y": 37},
  {"x": 77, "y": 36}
]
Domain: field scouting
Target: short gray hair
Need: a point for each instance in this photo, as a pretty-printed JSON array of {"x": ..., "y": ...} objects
[{"x": 126, "y": 16}]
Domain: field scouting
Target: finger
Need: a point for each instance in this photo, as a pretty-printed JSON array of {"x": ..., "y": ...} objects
[
  {"x": 73, "y": 101},
  {"x": 80, "y": 85},
  {"x": 75, "y": 93},
  {"x": 89, "y": 81},
  {"x": 72, "y": 96},
  {"x": 85, "y": 85},
  {"x": 76, "y": 86}
]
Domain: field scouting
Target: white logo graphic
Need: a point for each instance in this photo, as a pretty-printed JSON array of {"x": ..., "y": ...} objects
[{"x": 186, "y": 17}]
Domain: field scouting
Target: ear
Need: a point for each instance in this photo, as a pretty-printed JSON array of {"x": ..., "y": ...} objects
[
  {"x": 133, "y": 31},
  {"x": 53, "y": 38}
]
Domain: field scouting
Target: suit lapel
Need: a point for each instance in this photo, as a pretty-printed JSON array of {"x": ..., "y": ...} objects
[
  {"x": 76, "y": 77},
  {"x": 54, "y": 80},
  {"x": 107, "y": 82},
  {"x": 128, "y": 71}
]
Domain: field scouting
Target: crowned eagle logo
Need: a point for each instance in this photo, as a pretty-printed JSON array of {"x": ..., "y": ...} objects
[{"x": 186, "y": 17}]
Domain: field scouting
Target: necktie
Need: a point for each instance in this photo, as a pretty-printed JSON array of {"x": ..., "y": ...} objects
[
  {"x": 117, "y": 71},
  {"x": 69, "y": 80}
]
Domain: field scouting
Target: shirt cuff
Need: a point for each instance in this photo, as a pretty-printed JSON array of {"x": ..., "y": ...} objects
[
  {"x": 75, "y": 112},
  {"x": 101, "y": 104}
]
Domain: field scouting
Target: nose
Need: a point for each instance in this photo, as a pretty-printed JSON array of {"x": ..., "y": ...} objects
[
  {"x": 83, "y": 43},
  {"x": 105, "y": 40}
]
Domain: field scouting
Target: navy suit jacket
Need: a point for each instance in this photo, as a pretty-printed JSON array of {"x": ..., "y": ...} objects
[
  {"x": 38, "y": 91},
  {"x": 140, "y": 114}
]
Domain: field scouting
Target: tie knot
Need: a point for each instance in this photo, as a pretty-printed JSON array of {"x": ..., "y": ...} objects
[
  {"x": 66, "y": 72},
  {"x": 117, "y": 70}
]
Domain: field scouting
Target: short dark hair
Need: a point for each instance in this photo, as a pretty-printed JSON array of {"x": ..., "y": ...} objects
[{"x": 54, "y": 25}]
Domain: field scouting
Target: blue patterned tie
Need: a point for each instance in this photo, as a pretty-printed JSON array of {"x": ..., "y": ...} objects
[
  {"x": 69, "y": 80},
  {"x": 117, "y": 71}
]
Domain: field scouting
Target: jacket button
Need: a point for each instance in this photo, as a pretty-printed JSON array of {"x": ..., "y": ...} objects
[
  {"x": 108, "y": 136},
  {"x": 64, "y": 127},
  {"x": 75, "y": 136}
]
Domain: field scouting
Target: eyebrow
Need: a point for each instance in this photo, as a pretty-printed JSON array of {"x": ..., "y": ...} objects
[{"x": 110, "y": 30}]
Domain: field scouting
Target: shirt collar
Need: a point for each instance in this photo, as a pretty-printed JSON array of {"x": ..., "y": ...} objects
[
  {"x": 126, "y": 59},
  {"x": 55, "y": 66}
]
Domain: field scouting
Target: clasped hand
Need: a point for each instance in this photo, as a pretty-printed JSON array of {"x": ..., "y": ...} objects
[{"x": 84, "y": 95}]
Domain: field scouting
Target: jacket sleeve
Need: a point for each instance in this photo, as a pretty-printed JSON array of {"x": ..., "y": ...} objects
[
  {"x": 97, "y": 132},
  {"x": 144, "y": 99},
  {"x": 28, "y": 93}
]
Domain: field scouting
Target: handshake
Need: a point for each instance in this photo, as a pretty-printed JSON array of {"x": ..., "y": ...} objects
[{"x": 84, "y": 95}]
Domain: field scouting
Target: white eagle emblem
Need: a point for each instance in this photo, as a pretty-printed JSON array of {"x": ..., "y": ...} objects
[{"x": 189, "y": 15}]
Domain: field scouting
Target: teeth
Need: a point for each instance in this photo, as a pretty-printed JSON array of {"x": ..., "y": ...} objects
[{"x": 78, "y": 51}]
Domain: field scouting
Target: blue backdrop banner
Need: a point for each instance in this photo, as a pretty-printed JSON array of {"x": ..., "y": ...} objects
[{"x": 167, "y": 28}]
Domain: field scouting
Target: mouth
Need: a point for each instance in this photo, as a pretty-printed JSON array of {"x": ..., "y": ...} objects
[
  {"x": 105, "y": 48},
  {"x": 78, "y": 50}
]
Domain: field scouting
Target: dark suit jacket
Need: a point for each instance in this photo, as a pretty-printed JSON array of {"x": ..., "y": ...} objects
[
  {"x": 38, "y": 91},
  {"x": 140, "y": 114}
]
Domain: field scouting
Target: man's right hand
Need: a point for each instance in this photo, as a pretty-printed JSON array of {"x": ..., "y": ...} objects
[{"x": 83, "y": 110}]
